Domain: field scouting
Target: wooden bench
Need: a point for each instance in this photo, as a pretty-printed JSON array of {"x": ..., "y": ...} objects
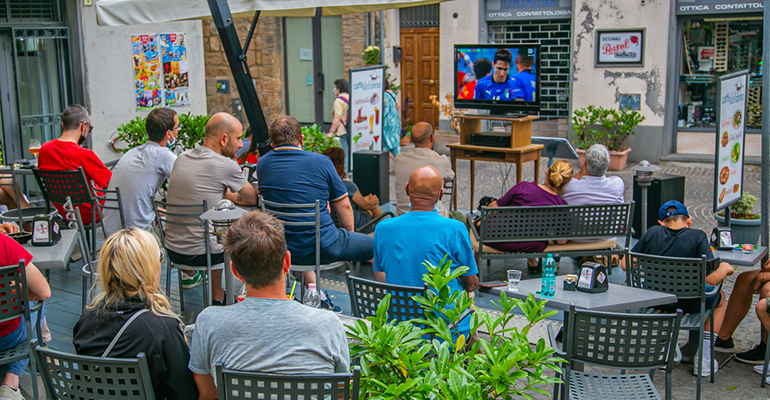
[{"x": 602, "y": 223}]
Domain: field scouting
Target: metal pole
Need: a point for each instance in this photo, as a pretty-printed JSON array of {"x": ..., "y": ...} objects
[
  {"x": 644, "y": 207},
  {"x": 765, "y": 195},
  {"x": 382, "y": 40},
  {"x": 223, "y": 19}
]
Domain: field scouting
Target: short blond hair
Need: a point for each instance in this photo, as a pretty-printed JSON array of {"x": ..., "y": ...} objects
[{"x": 559, "y": 174}]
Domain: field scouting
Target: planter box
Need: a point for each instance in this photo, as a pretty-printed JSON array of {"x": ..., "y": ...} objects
[
  {"x": 745, "y": 231},
  {"x": 618, "y": 159}
]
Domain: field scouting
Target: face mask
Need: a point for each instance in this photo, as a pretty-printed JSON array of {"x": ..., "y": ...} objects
[
  {"x": 170, "y": 142},
  {"x": 81, "y": 140}
]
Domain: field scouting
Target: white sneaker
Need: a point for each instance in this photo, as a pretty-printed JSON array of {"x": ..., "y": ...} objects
[
  {"x": 706, "y": 367},
  {"x": 6, "y": 393},
  {"x": 758, "y": 369}
]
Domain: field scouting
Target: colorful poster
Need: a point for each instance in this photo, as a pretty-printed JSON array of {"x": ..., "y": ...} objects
[
  {"x": 366, "y": 90},
  {"x": 174, "y": 58},
  {"x": 147, "y": 73},
  {"x": 731, "y": 114}
]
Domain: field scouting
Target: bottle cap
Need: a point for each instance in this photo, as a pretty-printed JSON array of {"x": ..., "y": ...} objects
[
  {"x": 550, "y": 255},
  {"x": 311, "y": 285}
]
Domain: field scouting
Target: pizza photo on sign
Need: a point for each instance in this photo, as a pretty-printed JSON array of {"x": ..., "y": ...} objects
[
  {"x": 724, "y": 175},
  {"x": 725, "y": 139},
  {"x": 736, "y": 152},
  {"x": 736, "y": 187},
  {"x": 737, "y": 119}
]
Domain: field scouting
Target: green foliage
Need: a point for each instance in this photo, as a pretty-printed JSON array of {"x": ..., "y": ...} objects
[
  {"x": 316, "y": 141},
  {"x": 399, "y": 362},
  {"x": 606, "y": 126},
  {"x": 192, "y": 132},
  {"x": 371, "y": 56},
  {"x": 742, "y": 209}
]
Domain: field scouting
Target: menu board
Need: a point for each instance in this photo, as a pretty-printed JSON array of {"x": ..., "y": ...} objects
[
  {"x": 730, "y": 138},
  {"x": 365, "y": 115}
]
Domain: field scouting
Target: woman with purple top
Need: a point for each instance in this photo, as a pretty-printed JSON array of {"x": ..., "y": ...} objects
[{"x": 525, "y": 194}]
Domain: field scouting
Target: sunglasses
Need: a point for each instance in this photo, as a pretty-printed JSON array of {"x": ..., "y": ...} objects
[{"x": 90, "y": 127}]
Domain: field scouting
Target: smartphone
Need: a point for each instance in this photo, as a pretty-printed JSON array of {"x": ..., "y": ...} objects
[{"x": 492, "y": 284}]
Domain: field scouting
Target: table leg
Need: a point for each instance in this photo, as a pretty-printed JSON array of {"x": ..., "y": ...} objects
[
  {"x": 518, "y": 171},
  {"x": 453, "y": 159},
  {"x": 229, "y": 291},
  {"x": 537, "y": 168},
  {"x": 473, "y": 181}
]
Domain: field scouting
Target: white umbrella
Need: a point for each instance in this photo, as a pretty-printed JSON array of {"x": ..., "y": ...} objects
[{"x": 132, "y": 12}]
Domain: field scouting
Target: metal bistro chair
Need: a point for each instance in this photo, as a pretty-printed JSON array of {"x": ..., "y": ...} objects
[
  {"x": 19, "y": 215},
  {"x": 295, "y": 217},
  {"x": 75, "y": 221},
  {"x": 110, "y": 200},
  {"x": 365, "y": 297},
  {"x": 683, "y": 277},
  {"x": 69, "y": 376},
  {"x": 15, "y": 304},
  {"x": 235, "y": 385},
  {"x": 616, "y": 341},
  {"x": 183, "y": 215}
]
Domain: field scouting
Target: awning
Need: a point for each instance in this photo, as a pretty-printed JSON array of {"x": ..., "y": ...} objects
[{"x": 132, "y": 12}]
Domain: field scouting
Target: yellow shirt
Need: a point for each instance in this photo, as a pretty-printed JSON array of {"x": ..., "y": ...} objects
[{"x": 340, "y": 109}]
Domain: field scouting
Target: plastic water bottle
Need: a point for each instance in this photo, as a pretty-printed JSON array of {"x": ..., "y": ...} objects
[
  {"x": 548, "y": 281},
  {"x": 312, "y": 298}
]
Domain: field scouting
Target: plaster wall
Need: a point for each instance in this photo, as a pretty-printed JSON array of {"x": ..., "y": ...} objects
[
  {"x": 463, "y": 29},
  {"x": 392, "y": 31},
  {"x": 109, "y": 76}
]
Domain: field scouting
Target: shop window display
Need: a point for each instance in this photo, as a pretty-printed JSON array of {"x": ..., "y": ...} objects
[{"x": 715, "y": 47}]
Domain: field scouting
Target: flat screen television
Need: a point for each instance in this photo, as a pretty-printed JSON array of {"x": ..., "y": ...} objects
[{"x": 502, "y": 78}]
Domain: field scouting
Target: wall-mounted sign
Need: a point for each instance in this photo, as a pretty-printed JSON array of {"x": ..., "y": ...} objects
[
  {"x": 506, "y": 10},
  {"x": 731, "y": 118},
  {"x": 694, "y": 7},
  {"x": 365, "y": 115},
  {"x": 160, "y": 70},
  {"x": 620, "y": 47}
]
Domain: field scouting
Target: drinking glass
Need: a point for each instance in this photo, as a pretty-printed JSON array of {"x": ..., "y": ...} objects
[
  {"x": 34, "y": 147},
  {"x": 514, "y": 277}
]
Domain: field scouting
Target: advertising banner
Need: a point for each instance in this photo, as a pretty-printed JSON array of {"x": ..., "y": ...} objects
[
  {"x": 365, "y": 115},
  {"x": 147, "y": 71},
  {"x": 174, "y": 57},
  {"x": 504, "y": 10},
  {"x": 730, "y": 140}
]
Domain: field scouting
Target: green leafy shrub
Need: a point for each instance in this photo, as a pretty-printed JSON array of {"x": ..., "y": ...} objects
[
  {"x": 193, "y": 131},
  {"x": 133, "y": 132},
  {"x": 316, "y": 141},
  {"x": 398, "y": 362},
  {"x": 606, "y": 126},
  {"x": 744, "y": 208}
]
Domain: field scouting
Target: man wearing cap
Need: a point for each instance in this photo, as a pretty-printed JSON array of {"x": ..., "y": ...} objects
[{"x": 674, "y": 238}]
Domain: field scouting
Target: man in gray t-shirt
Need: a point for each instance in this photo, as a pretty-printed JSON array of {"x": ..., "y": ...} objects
[
  {"x": 206, "y": 172},
  {"x": 266, "y": 332}
]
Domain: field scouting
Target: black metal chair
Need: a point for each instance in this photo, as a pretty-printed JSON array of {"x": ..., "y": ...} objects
[
  {"x": 18, "y": 215},
  {"x": 235, "y": 385},
  {"x": 15, "y": 304},
  {"x": 183, "y": 215},
  {"x": 110, "y": 200},
  {"x": 683, "y": 277},
  {"x": 75, "y": 221},
  {"x": 365, "y": 297},
  {"x": 69, "y": 376},
  {"x": 616, "y": 341}
]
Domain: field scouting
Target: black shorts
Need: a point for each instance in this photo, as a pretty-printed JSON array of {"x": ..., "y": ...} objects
[
  {"x": 198, "y": 260},
  {"x": 690, "y": 306}
]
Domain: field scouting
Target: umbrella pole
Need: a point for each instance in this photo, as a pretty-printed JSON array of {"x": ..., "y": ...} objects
[{"x": 236, "y": 58}]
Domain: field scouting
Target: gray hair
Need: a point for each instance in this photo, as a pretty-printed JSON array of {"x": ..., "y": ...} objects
[
  {"x": 73, "y": 116},
  {"x": 597, "y": 160}
]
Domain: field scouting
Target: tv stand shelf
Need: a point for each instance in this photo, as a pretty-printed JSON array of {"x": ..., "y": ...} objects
[{"x": 520, "y": 128}]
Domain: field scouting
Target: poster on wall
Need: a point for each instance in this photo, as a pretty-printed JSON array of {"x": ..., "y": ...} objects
[
  {"x": 365, "y": 115},
  {"x": 174, "y": 57},
  {"x": 624, "y": 47},
  {"x": 147, "y": 71},
  {"x": 730, "y": 139}
]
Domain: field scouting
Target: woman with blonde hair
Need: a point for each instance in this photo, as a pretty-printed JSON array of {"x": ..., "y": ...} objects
[
  {"x": 132, "y": 301},
  {"x": 525, "y": 194}
]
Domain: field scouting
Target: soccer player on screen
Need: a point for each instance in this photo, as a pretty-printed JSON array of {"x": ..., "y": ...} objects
[
  {"x": 498, "y": 85},
  {"x": 524, "y": 83}
]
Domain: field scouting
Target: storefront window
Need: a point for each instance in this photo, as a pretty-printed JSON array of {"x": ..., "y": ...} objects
[{"x": 713, "y": 47}]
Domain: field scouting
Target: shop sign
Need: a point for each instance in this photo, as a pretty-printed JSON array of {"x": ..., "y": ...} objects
[
  {"x": 507, "y": 10},
  {"x": 730, "y": 140},
  {"x": 365, "y": 115},
  {"x": 694, "y": 7},
  {"x": 624, "y": 47}
]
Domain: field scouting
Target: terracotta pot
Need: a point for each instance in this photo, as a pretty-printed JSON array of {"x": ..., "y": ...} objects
[{"x": 617, "y": 159}]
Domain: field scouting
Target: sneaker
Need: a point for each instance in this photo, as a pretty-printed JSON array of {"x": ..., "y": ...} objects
[
  {"x": 754, "y": 356},
  {"x": 6, "y": 393},
  {"x": 191, "y": 281},
  {"x": 706, "y": 367},
  {"x": 758, "y": 369},
  {"x": 724, "y": 346},
  {"x": 328, "y": 305}
]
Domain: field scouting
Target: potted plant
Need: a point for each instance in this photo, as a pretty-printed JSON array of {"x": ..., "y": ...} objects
[
  {"x": 192, "y": 132},
  {"x": 746, "y": 225},
  {"x": 316, "y": 141},
  {"x": 607, "y": 126}
]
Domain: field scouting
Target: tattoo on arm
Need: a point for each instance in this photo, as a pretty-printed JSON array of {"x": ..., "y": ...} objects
[{"x": 238, "y": 197}]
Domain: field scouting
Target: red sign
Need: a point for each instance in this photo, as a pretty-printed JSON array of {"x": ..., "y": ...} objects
[
  {"x": 145, "y": 39},
  {"x": 706, "y": 53}
]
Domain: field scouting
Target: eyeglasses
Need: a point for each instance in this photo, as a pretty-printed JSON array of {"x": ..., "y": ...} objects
[
  {"x": 176, "y": 128},
  {"x": 90, "y": 127}
]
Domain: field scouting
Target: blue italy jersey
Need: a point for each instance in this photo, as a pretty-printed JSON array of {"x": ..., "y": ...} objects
[
  {"x": 488, "y": 89},
  {"x": 524, "y": 85}
]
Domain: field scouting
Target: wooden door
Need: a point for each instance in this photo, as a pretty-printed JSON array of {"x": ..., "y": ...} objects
[{"x": 420, "y": 73}]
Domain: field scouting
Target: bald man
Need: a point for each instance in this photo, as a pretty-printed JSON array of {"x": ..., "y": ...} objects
[
  {"x": 422, "y": 154},
  {"x": 402, "y": 244},
  {"x": 206, "y": 172}
]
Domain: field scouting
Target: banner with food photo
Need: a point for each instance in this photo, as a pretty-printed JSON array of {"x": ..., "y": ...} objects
[
  {"x": 730, "y": 139},
  {"x": 147, "y": 72},
  {"x": 174, "y": 57},
  {"x": 365, "y": 115}
]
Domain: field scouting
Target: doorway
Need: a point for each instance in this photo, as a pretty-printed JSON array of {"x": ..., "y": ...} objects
[{"x": 420, "y": 74}]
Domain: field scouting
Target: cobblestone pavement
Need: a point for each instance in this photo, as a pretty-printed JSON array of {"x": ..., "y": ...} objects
[{"x": 734, "y": 380}]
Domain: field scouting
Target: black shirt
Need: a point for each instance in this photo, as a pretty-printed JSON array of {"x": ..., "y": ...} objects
[
  {"x": 159, "y": 338},
  {"x": 663, "y": 241}
]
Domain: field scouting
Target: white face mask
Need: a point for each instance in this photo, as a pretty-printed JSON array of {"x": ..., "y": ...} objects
[{"x": 170, "y": 142}]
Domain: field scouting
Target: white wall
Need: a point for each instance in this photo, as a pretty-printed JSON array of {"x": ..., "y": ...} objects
[
  {"x": 461, "y": 30},
  {"x": 602, "y": 86},
  {"x": 392, "y": 38},
  {"x": 109, "y": 76}
]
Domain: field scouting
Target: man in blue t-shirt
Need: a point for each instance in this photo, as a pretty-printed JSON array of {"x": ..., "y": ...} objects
[
  {"x": 525, "y": 82},
  {"x": 292, "y": 176},
  {"x": 498, "y": 85},
  {"x": 401, "y": 244}
]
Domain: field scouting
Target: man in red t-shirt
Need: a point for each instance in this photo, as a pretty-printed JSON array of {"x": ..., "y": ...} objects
[
  {"x": 13, "y": 332},
  {"x": 65, "y": 153}
]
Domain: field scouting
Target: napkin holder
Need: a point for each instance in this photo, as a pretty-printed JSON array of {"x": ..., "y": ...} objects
[
  {"x": 722, "y": 238},
  {"x": 593, "y": 278},
  {"x": 45, "y": 230}
]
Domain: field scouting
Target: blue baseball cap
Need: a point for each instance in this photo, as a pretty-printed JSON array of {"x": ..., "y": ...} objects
[{"x": 663, "y": 213}]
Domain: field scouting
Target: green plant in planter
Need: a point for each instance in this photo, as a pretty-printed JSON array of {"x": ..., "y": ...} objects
[
  {"x": 607, "y": 126},
  {"x": 193, "y": 131},
  {"x": 316, "y": 141},
  {"x": 743, "y": 208},
  {"x": 399, "y": 362},
  {"x": 133, "y": 132}
]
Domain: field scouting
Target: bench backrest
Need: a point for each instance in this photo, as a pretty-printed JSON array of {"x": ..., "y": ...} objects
[{"x": 527, "y": 224}]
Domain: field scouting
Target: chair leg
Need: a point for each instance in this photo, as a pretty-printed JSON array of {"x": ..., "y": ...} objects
[
  {"x": 767, "y": 358},
  {"x": 181, "y": 289},
  {"x": 700, "y": 360},
  {"x": 84, "y": 300},
  {"x": 168, "y": 280},
  {"x": 711, "y": 346}
]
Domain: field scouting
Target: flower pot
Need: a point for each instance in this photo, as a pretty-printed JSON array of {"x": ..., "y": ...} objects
[
  {"x": 745, "y": 231},
  {"x": 617, "y": 159}
]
